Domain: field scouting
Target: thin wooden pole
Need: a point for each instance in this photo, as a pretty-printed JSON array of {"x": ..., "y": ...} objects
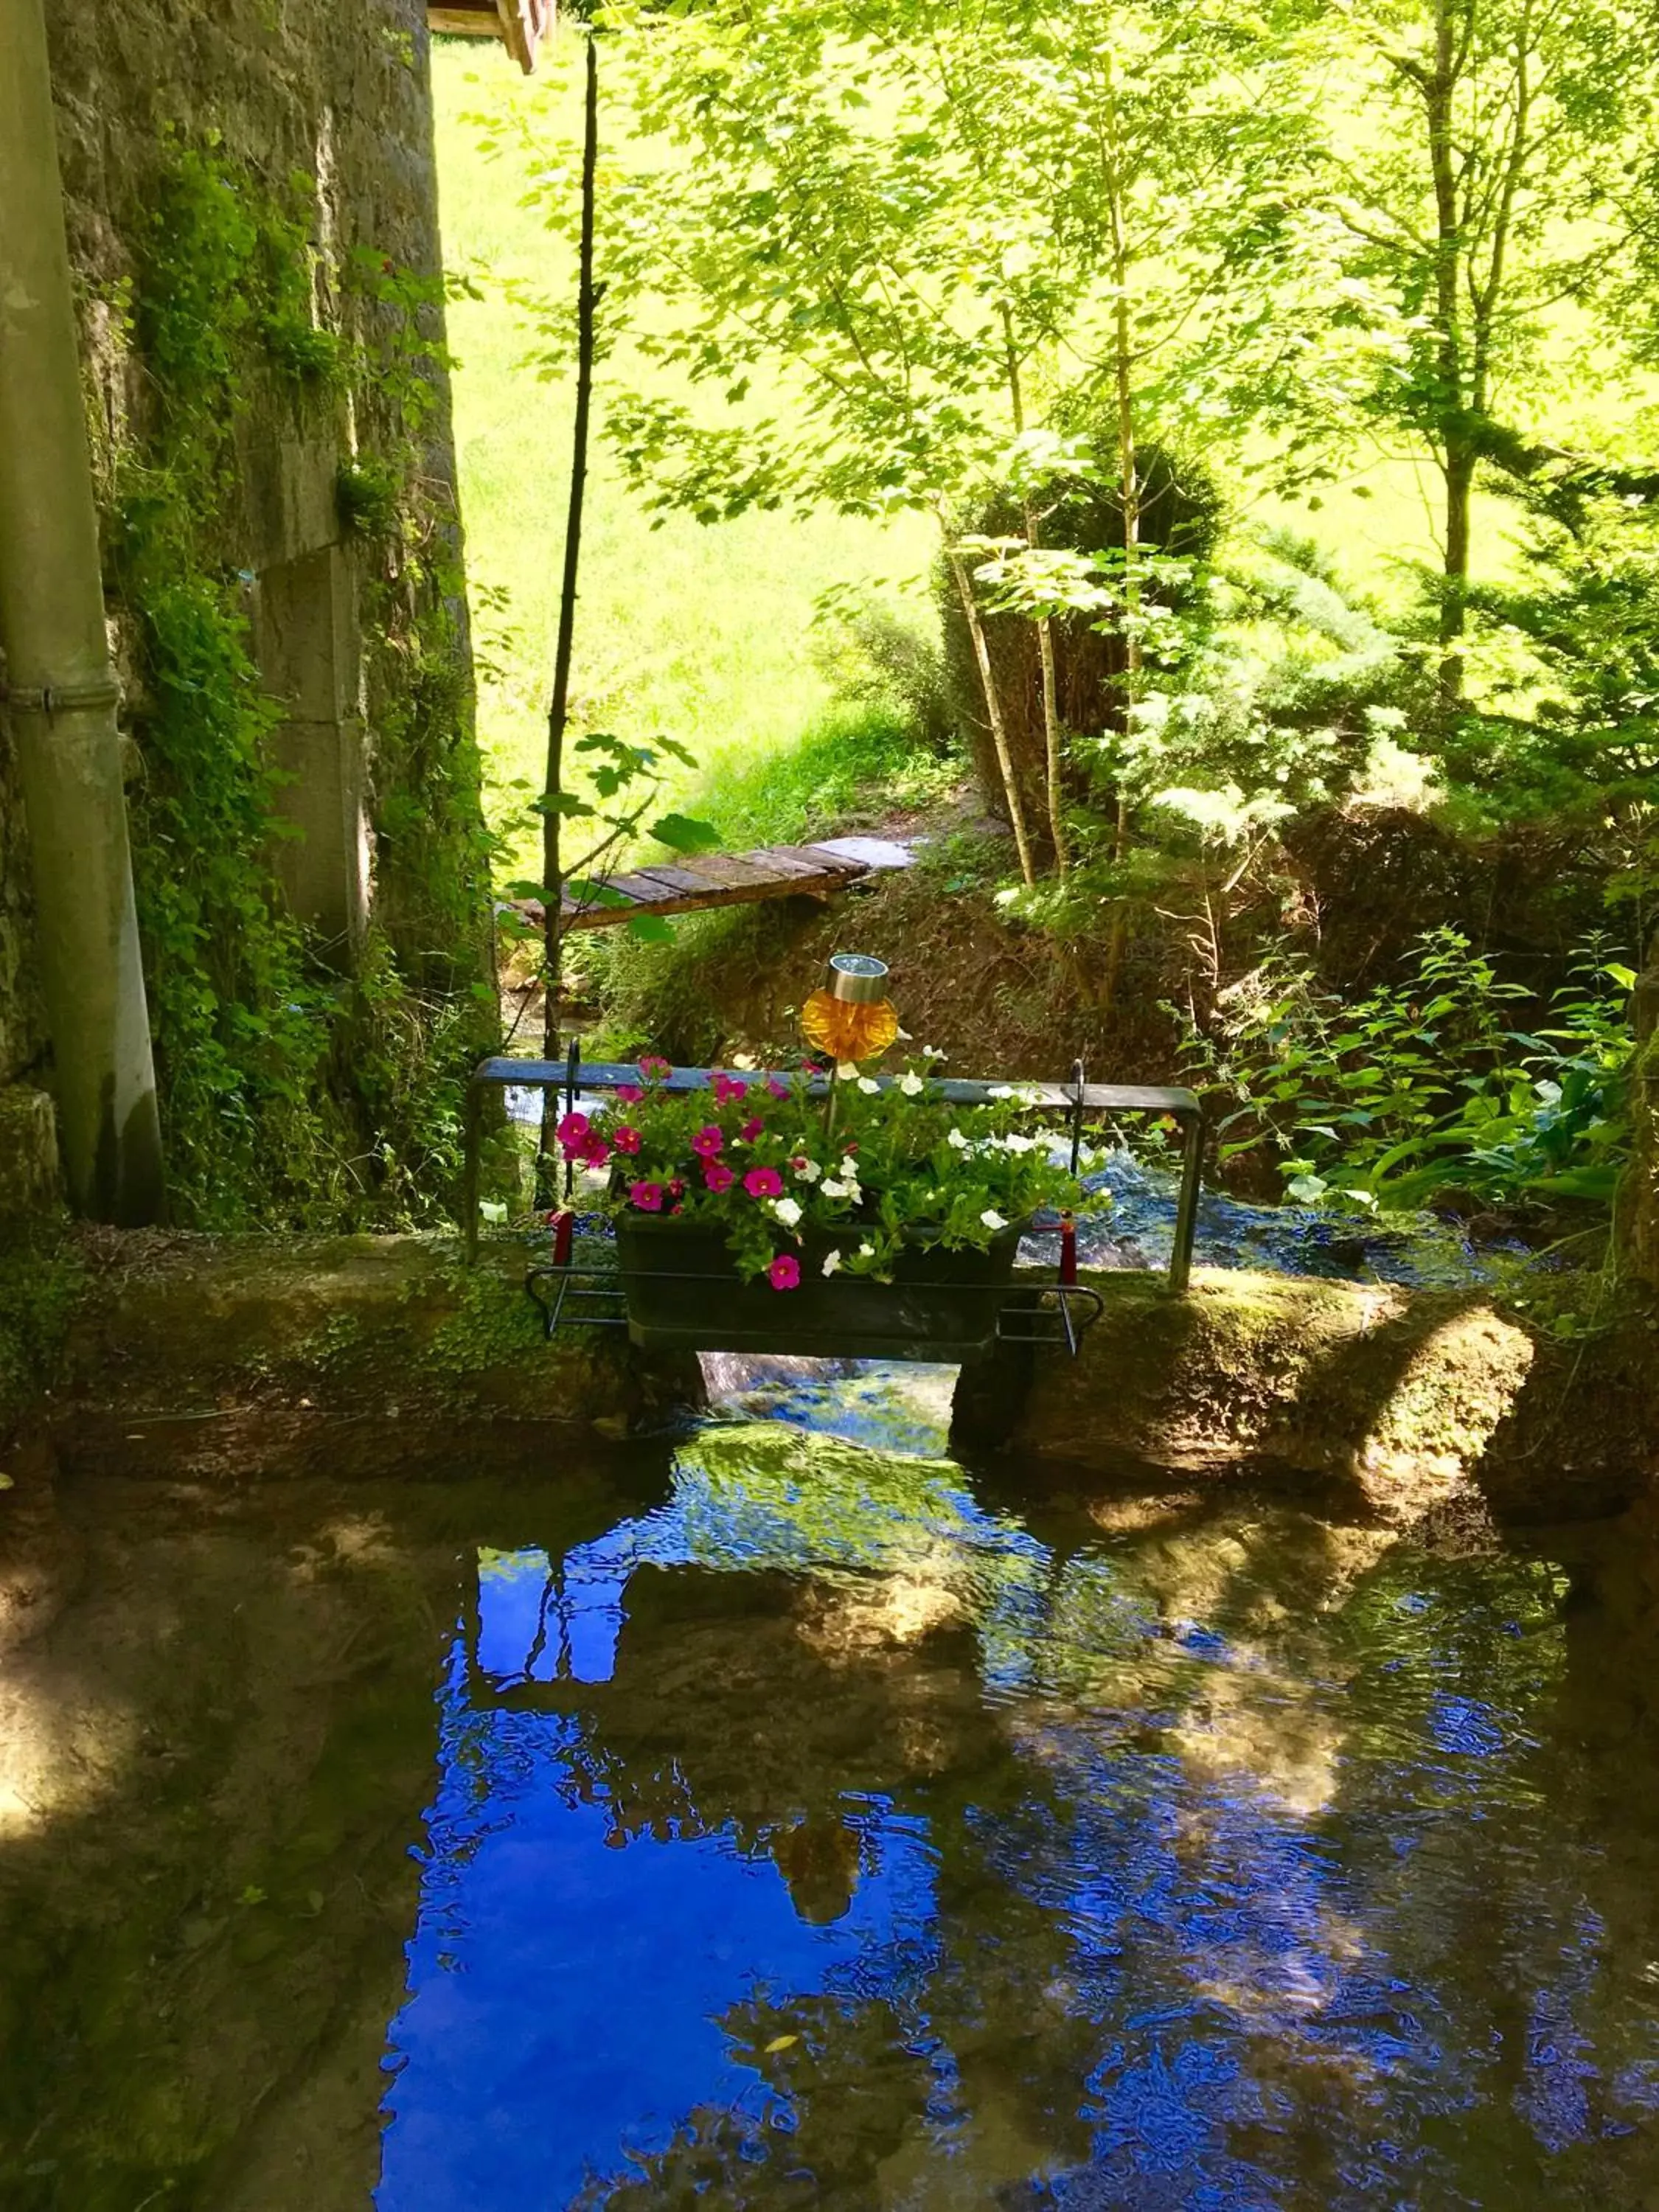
[{"x": 559, "y": 707}]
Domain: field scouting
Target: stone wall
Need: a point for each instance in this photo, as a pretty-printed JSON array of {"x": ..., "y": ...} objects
[{"x": 337, "y": 97}]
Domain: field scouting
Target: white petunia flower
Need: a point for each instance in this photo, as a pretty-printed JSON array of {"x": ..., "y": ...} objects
[
  {"x": 867, "y": 1251},
  {"x": 832, "y": 1187},
  {"x": 808, "y": 1172},
  {"x": 961, "y": 1142},
  {"x": 847, "y": 1071},
  {"x": 787, "y": 1210},
  {"x": 868, "y": 1086},
  {"x": 831, "y": 1261},
  {"x": 849, "y": 1167},
  {"x": 911, "y": 1083},
  {"x": 992, "y": 1219},
  {"x": 1000, "y": 1090}
]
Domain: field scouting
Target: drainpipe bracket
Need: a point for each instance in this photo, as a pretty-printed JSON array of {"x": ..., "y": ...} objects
[{"x": 49, "y": 699}]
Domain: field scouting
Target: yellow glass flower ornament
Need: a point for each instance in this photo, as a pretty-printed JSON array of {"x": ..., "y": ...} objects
[{"x": 851, "y": 1018}]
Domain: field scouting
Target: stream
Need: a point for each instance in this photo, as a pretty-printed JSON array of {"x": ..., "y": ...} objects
[{"x": 784, "y": 1814}]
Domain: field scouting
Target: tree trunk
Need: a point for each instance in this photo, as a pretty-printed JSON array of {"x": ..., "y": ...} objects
[
  {"x": 1052, "y": 746},
  {"x": 1639, "y": 1200},
  {"x": 1130, "y": 481},
  {"x": 559, "y": 708},
  {"x": 1045, "y": 629},
  {"x": 964, "y": 584},
  {"x": 1457, "y": 467}
]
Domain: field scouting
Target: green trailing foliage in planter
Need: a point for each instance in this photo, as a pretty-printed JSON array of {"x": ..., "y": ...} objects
[{"x": 290, "y": 1095}]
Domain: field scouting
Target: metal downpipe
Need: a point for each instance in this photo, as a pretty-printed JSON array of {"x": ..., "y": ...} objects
[{"x": 61, "y": 693}]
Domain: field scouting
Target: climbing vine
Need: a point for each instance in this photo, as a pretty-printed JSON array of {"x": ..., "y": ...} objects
[{"x": 291, "y": 1094}]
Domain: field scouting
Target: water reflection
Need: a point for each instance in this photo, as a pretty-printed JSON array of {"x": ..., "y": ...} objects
[{"x": 821, "y": 1837}]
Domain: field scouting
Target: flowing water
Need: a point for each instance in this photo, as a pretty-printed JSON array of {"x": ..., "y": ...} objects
[{"x": 782, "y": 1815}]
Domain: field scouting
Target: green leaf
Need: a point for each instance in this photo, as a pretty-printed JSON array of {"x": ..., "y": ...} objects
[
  {"x": 560, "y": 802},
  {"x": 1600, "y": 1183},
  {"x": 587, "y": 891},
  {"x": 683, "y": 833},
  {"x": 651, "y": 929}
]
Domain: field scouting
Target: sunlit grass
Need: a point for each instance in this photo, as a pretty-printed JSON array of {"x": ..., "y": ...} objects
[{"x": 702, "y": 634}]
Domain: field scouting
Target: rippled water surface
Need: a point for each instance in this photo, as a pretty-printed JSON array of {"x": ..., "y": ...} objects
[
  {"x": 800, "y": 1823},
  {"x": 827, "y": 1834}
]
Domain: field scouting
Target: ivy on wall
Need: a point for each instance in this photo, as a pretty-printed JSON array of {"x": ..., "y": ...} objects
[{"x": 291, "y": 1095}]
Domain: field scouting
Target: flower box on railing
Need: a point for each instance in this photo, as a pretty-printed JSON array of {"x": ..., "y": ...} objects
[{"x": 683, "y": 1293}]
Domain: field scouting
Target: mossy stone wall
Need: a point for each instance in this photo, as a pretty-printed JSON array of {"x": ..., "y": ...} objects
[
  {"x": 287, "y": 1090},
  {"x": 1409, "y": 1402}
]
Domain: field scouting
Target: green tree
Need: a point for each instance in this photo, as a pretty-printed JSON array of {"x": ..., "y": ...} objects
[
  {"x": 1471, "y": 171},
  {"x": 890, "y": 214}
]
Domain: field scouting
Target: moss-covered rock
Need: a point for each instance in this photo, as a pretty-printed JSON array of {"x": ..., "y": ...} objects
[{"x": 1414, "y": 1401}]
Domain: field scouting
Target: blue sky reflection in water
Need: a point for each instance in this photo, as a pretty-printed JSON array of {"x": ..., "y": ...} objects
[{"x": 825, "y": 1838}]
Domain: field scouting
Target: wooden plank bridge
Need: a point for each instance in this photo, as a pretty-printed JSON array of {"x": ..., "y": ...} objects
[{"x": 695, "y": 881}]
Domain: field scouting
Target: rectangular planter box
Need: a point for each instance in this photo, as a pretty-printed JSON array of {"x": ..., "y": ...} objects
[{"x": 685, "y": 1294}]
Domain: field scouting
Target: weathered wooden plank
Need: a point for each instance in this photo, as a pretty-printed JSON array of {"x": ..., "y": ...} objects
[
  {"x": 676, "y": 881},
  {"x": 822, "y": 863},
  {"x": 779, "y": 864},
  {"x": 711, "y": 879},
  {"x": 724, "y": 868},
  {"x": 633, "y": 885}
]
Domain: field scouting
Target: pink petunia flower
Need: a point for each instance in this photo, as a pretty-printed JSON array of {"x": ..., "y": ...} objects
[
  {"x": 718, "y": 1178},
  {"x": 751, "y": 1128},
  {"x": 572, "y": 1133},
  {"x": 653, "y": 1064},
  {"x": 648, "y": 1196},
  {"x": 629, "y": 1093},
  {"x": 707, "y": 1141},
  {"x": 595, "y": 1151},
  {"x": 677, "y": 1188},
  {"x": 784, "y": 1273},
  {"x": 763, "y": 1182},
  {"x": 625, "y": 1139},
  {"x": 777, "y": 1086},
  {"x": 728, "y": 1090}
]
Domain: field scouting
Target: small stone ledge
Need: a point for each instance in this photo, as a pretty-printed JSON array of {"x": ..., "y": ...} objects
[
  {"x": 31, "y": 1186},
  {"x": 343, "y": 1353},
  {"x": 1411, "y": 1401}
]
